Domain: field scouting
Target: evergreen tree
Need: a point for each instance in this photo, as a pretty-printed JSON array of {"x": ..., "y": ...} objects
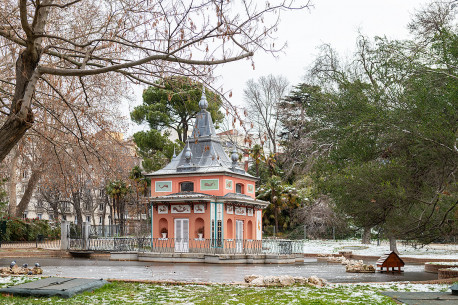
[
  {"x": 169, "y": 107},
  {"x": 385, "y": 130}
]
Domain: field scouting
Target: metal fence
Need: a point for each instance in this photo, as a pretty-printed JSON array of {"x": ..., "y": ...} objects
[
  {"x": 114, "y": 244},
  {"x": 40, "y": 244},
  {"x": 132, "y": 229},
  {"x": 105, "y": 231},
  {"x": 175, "y": 245},
  {"x": 210, "y": 246}
]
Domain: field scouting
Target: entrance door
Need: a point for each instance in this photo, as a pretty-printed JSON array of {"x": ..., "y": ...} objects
[
  {"x": 182, "y": 235},
  {"x": 239, "y": 236}
]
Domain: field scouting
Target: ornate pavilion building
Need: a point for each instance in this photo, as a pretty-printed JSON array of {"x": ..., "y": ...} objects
[{"x": 203, "y": 198}]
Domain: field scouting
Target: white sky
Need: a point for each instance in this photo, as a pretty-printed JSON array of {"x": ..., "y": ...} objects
[{"x": 336, "y": 22}]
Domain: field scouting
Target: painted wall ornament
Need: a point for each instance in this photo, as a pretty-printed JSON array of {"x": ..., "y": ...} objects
[
  {"x": 162, "y": 209},
  {"x": 163, "y": 186},
  {"x": 199, "y": 208},
  {"x": 181, "y": 209},
  {"x": 250, "y": 211},
  {"x": 250, "y": 188},
  {"x": 228, "y": 184},
  {"x": 209, "y": 184},
  {"x": 240, "y": 211},
  {"x": 230, "y": 209}
]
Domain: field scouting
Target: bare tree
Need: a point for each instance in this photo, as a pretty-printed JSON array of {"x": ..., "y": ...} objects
[
  {"x": 57, "y": 44},
  {"x": 13, "y": 178},
  {"x": 263, "y": 99},
  {"x": 51, "y": 199},
  {"x": 318, "y": 216}
]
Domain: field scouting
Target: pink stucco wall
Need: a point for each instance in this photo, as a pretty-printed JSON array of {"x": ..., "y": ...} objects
[{"x": 162, "y": 220}]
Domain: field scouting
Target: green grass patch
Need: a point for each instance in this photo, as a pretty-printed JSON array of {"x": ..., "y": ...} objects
[{"x": 140, "y": 293}]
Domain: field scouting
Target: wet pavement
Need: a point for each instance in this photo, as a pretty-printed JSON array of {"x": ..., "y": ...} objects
[{"x": 91, "y": 268}]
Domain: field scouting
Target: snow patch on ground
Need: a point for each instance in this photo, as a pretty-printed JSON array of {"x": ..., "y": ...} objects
[
  {"x": 435, "y": 251},
  {"x": 15, "y": 280}
]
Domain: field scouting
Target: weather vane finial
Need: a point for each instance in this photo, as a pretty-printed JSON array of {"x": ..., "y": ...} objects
[{"x": 203, "y": 104}]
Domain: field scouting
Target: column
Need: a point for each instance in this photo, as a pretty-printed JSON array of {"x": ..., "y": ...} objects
[{"x": 64, "y": 235}]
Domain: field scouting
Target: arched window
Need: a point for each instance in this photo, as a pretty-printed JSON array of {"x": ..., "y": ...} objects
[
  {"x": 250, "y": 230},
  {"x": 200, "y": 227},
  {"x": 163, "y": 228},
  {"x": 239, "y": 188},
  {"x": 187, "y": 186},
  {"x": 229, "y": 229}
]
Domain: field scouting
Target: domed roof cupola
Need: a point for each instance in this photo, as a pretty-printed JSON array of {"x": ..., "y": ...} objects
[
  {"x": 203, "y": 104},
  {"x": 234, "y": 156},
  {"x": 203, "y": 152},
  {"x": 188, "y": 154}
]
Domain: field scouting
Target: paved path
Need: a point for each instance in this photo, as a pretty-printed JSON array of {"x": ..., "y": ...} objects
[
  {"x": 423, "y": 298},
  {"x": 217, "y": 273}
]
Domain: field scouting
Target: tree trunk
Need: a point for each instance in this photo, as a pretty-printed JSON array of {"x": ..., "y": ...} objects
[
  {"x": 104, "y": 211},
  {"x": 13, "y": 183},
  {"x": 185, "y": 130},
  {"x": 20, "y": 118},
  {"x": 256, "y": 166},
  {"x": 138, "y": 206},
  {"x": 21, "y": 115},
  {"x": 275, "y": 202},
  {"x": 112, "y": 215},
  {"x": 366, "y": 235},
  {"x": 77, "y": 205},
  {"x": 393, "y": 246},
  {"x": 276, "y": 219},
  {"x": 55, "y": 210},
  {"x": 25, "y": 200},
  {"x": 11, "y": 133},
  {"x": 122, "y": 209},
  {"x": 116, "y": 209}
]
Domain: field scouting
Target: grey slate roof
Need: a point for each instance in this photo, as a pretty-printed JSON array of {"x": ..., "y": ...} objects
[
  {"x": 203, "y": 152},
  {"x": 236, "y": 196},
  {"x": 193, "y": 196}
]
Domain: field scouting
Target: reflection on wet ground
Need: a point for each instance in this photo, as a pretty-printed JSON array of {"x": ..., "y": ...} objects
[{"x": 91, "y": 268}]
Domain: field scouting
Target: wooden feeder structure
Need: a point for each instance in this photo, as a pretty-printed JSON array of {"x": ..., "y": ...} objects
[{"x": 390, "y": 260}]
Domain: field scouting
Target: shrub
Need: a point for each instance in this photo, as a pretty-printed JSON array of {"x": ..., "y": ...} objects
[{"x": 18, "y": 229}]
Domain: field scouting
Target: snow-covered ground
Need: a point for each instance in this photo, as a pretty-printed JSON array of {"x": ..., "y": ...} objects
[{"x": 433, "y": 251}]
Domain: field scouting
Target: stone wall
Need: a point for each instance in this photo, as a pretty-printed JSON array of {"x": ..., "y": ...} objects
[{"x": 448, "y": 273}]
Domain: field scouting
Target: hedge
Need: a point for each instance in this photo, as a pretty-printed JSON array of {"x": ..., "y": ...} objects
[{"x": 18, "y": 229}]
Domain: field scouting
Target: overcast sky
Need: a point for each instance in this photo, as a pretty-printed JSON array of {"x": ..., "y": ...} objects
[{"x": 336, "y": 22}]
